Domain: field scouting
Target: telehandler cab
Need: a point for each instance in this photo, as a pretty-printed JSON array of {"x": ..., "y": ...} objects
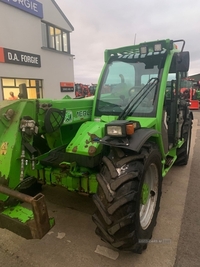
[{"x": 117, "y": 145}]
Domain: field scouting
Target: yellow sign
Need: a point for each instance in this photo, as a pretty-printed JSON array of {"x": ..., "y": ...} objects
[{"x": 3, "y": 149}]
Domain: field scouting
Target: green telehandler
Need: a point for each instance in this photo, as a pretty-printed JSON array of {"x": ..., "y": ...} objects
[{"x": 117, "y": 145}]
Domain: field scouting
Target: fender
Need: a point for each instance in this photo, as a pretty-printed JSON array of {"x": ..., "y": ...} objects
[{"x": 134, "y": 142}]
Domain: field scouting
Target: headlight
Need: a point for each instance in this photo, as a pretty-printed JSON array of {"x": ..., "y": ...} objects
[
  {"x": 114, "y": 130},
  {"x": 121, "y": 128}
]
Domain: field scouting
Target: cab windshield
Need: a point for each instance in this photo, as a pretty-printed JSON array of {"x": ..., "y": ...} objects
[{"x": 126, "y": 81}]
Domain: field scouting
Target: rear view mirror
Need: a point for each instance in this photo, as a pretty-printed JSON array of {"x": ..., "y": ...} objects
[{"x": 182, "y": 61}]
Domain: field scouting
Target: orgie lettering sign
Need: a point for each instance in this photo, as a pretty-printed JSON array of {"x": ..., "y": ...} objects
[{"x": 30, "y": 6}]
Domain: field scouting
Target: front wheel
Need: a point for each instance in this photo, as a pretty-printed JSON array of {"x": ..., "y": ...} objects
[{"x": 128, "y": 199}]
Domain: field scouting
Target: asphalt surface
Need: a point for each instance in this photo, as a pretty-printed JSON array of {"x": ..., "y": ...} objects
[
  {"x": 72, "y": 241},
  {"x": 188, "y": 252}
]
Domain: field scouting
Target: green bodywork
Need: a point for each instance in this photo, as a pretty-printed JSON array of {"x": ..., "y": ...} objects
[
  {"x": 198, "y": 94},
  {"x": 145, "y": 194},
  {"x": 23, "y": 214},
  {"x": 74, "y": 152}
]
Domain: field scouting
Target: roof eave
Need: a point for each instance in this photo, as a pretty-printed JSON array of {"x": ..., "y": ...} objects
[{"x": 63, "y": 15}]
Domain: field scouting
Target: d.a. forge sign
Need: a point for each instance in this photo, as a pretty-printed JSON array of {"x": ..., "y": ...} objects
[
  {"x": 18, "y": 57},
  {"x": 30, "y": 6}
]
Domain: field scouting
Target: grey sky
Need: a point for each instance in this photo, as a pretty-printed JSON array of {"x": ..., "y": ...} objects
[{"x": 104, "y": 24}]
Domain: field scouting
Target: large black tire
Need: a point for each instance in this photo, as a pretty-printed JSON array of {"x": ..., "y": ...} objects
[
  {"x": 125, "y": 217},
  {"x": 184, "y": 151},
  {"x": 28, "y": 186}
]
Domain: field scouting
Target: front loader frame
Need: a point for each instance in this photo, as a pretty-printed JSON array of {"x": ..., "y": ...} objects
[{"x": 22, "y": 221}]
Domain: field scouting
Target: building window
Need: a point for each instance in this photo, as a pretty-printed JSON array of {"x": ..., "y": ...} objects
[
  {"x": 51, "y": 37},
  {"x": 24, "y": 88},
  {"x": 65, "y": 42},
  {"x": 44, "y": 34},
  {"x": 58, "y": 39},
  {"x": 55, "y": 38}
]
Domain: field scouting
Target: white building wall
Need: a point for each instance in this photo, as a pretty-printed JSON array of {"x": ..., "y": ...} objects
[
  {"x": 52, "y": 14},
  {"x": 22, "y": 31},
  {"x": 19, "y": 30}
]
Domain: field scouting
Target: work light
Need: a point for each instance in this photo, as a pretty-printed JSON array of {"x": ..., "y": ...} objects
[
  {"x": 157, "y": 48},
  {"x": 143, "y": 50}
]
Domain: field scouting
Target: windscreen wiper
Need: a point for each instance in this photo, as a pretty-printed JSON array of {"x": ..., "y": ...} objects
[
  {"x": 139, "y": 97},
  {"x": 107, "y": 104}
]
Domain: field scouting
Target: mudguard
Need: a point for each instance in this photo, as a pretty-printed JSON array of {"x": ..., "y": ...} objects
[{"x": 134, "y": 142}]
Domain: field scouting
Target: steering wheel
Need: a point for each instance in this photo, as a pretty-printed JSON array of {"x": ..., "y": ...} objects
[{"x": 135, "y": 90}]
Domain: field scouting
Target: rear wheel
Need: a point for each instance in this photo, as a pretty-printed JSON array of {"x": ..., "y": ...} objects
[
  {"x": 128, "y": 199},
  {"x": 184, "y": 151}
]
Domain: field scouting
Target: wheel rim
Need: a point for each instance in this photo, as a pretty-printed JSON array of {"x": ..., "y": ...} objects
[{"x": 149, "y": 196}]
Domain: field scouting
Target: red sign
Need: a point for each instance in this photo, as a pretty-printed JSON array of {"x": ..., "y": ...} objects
[
  {"x": 2, "y": 58},
  {"x": 66, "y": 87},
  {"x": 66, "y": 84}
]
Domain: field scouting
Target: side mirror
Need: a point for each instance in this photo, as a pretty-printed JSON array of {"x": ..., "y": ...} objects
[{"x": 182, "y": 61}]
